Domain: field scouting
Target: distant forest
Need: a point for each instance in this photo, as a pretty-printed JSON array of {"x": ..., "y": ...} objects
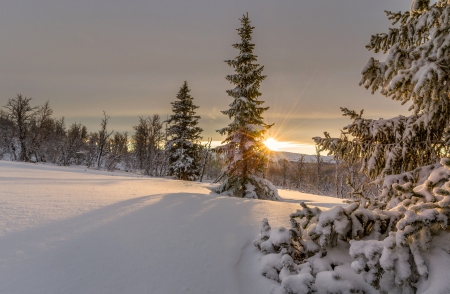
[{"x": 31, "y": 134}]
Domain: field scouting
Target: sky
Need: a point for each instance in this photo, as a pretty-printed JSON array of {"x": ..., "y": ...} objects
[{"x": 129, "y": 59}]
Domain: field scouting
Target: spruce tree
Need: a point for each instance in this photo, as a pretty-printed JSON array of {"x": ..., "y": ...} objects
[
  {"x": 391, "y": 239},
  {"x": 416, "y": 71},
  {"x": 184, "y": 135},
  {"x": 243, "y": 145}
]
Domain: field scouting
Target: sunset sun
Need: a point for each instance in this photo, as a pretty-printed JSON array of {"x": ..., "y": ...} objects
[{"x": 272, "y": 144}]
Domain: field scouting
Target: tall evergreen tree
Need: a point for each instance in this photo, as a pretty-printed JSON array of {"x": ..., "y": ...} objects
[
  {"x": 184, "y": 135},
  {"x": 243, "y": 146}
]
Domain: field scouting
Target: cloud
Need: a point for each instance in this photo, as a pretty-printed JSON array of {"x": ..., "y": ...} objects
[{"x": 130, "y": 58}]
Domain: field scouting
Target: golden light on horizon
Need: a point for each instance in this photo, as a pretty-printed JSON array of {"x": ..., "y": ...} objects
[
  {"x": 272, "y": 144},
  {"x": 284, "y": 146}
]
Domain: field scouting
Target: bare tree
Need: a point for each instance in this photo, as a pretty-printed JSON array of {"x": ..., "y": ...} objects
[
  {"x": 118, "y": 150},
  {"x": 148, "y": 145},
  {"x": 299, "y": 171},
  {"x": 56, "y": 149},
  {"x": 41, "y": 128},
  {"x": 21, "y": 113},
  {"x": 7, "y": 131},
  {"x": 319, "y": 162},
  {"x": 103, "y": 136},
  {"x": 73, "y": 144},
  {"x": 206, "y": 152}
]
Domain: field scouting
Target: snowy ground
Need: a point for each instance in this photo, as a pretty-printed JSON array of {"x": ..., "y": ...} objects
[{"x": 74, "y": 230}]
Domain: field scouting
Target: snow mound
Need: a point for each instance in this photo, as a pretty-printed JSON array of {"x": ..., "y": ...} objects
[
  {"x": 76, "y": 230},
  {"x": 385, "y": 245}
]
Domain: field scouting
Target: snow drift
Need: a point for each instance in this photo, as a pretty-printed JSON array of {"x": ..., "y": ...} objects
[{"x": 75, "y": 230}]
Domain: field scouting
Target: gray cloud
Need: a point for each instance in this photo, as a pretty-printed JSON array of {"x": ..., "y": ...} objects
[{"x": 129, "y": 58}]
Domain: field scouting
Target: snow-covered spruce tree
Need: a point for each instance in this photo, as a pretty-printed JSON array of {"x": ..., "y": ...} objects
[
  {"x": 416, "y": 70},
  {"x": 184, "y": 135},
  {"x": 243, "y": 146},
  {"x": 398, "y": 241}
]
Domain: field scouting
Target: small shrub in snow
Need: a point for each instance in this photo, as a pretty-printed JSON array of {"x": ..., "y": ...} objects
[
  {"x": 386, "y": 248},
  {"x": 254, "y": 188}
]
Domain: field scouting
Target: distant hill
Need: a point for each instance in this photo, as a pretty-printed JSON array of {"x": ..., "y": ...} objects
[{"x": 291, "y": 156}]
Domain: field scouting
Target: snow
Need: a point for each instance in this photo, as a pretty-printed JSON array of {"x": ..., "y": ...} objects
[
  {"x": 391, "y": 250},
  {"x": 76, "y": 230}
]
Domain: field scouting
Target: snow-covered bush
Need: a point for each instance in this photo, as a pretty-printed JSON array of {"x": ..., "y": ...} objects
[
  {"x": 385, "y": 243},
  {"x": 254, "y": 188}
]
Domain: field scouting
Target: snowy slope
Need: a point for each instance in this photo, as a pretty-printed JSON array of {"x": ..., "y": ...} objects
[{"x": 71, "y": 230}]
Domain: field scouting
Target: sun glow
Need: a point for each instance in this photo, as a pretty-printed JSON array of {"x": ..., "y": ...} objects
[{"x": 273, "y": 144}]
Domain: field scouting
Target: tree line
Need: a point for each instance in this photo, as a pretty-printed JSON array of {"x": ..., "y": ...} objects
[
  {"x": 173, "y": 147},
  {"x": 31, "y": 134},
  {"x": 318, "y": 176}
]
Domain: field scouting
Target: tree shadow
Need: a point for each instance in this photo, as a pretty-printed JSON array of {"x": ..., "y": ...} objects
[{"x": 136, "y": 244}]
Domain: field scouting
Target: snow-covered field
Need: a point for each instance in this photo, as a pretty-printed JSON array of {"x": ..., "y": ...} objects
[{"x": 75, "y": 230}]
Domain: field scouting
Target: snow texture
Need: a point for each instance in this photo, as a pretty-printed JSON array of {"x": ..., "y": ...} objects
[
  {"x": 76, "y": 230},
  {"x": 389, "y": 250}
]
